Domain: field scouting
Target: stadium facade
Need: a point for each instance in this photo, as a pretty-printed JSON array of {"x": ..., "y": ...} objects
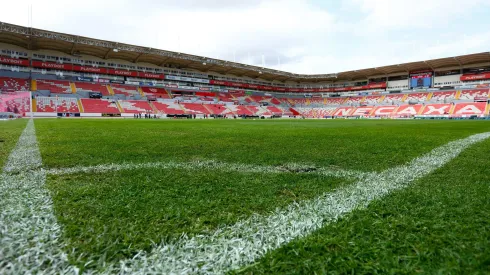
[{"x": 70, "y": 75}]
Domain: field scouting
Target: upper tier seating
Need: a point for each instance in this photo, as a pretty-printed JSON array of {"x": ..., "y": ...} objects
[
  {"x": 444, "y": 96},
  {"x": 355, "y": 100},
  {"x": 393, "y": 98},
  {"x": 417, "y": 97},
  {"x": 156, "y": 92},
  {"x": 471, "y": 94},
  {"x": 13, "y": 84},
  {"x": 335, "y": 100},
  {"x": 317, "y": 101},
  {"x": 58, "y": 105},
  {"x": 104, "y": 106},
  {"x": 372, "y": 99},
  {"x": 169, "y": 108},
  {"x": 135, "y": 106},
  {"x": 125, "y": 90},
  {"x": 92, "y": 87},
  {"x": 298, "y": 101},
  {"x": 54, "y": 86}
]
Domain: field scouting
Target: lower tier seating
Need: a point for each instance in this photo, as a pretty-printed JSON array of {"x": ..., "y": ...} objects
[
  {"x": 169, "y": 108},
  {"x": 135, "y": 106},
  {"x": 92, "y": 87},
  {"x": 18, "y": 103},
  {"x": 104, "y": 106},
  {"x": 57, "y": 105}
]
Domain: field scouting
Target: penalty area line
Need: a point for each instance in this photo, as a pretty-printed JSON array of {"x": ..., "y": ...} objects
[{"x": 213, "y": 165}]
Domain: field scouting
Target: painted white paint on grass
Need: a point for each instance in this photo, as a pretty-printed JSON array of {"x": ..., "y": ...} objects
[
  {"x": 213, "y": 165},
  {"x": 241, "y": 244},
  {"x": 29, "y": 233}
]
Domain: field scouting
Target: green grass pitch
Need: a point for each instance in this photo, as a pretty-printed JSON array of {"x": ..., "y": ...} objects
[{"x": 438, "y": 224}]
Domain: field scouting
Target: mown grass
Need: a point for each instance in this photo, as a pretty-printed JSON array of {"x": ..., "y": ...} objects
[
  {"x": 109, "y": 217},
  {"x": 440, "y": 225},
  {"x": 10, "y": 131},
  {"x": 350, "y": 144}
]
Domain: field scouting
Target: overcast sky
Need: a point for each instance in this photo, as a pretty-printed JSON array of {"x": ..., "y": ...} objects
[{"x": 305, "y": 36}]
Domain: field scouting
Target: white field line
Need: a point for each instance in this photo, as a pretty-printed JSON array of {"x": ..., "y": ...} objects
[
  {"x": 29, "y": 233},
  {"x": 246, "y": 241},
  {"x": 212, "y": 165}
]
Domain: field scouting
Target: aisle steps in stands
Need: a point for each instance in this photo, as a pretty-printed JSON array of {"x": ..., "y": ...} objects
[
  {"x": 33, "y": 85},
  {"x": 73, "y": 88},
  {"x": 34, "y": 105}
]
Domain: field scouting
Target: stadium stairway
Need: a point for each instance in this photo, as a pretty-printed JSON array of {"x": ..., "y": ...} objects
[
  {"x": 429, "y": 96},
  {"x": 34, "y": 105},
  {"x": 209, "y": 109},
  {"x": 33, "y": 85},
  {"x": 121, "y": 110},
  {"x": 141, "y": 92},
  {"x": 80, "y": 106},
  {"x": 73, "y": 87},
  {"x": 458, "y": 95},
  {"x": 111, "y": 91}
]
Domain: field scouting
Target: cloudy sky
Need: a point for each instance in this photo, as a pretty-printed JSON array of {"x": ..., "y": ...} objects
[{"x": 301, "y": 36}]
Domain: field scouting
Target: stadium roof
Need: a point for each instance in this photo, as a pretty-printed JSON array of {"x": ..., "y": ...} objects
[{"x": 37, "y": 39}]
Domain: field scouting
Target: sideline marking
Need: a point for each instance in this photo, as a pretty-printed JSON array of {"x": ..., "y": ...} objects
[{"x": 29, "y": 233}]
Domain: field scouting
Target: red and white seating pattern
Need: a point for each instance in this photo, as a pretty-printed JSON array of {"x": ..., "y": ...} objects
[
  {"x": 92, "y": 87},
  {"x": 298, "y": 101},
  {"x": 393, "y": 98},
  {"x": 474, "y": 108},
  {"x": 54, "y": 86},
  {"x": 135, "y": 106},
  {"x": 13, "y": 84},
  {"x": 195, "y": 108},
  {"x": 125, "y": 90},
  {"x": 336, "y": 100},
  {"x": 417, "y": 97},
  {"x": 104, "y": 106},
  {"x": 57, "y": 105},
  {"x": 241, "y": 110},
  {"x": 316, "y": 112},
  {"x": 471, "y": 94},
  {"x": 372, "y": 99},
  {"x": 217, "y": 109},
  {"x": 443, "y": 96},
  {"x": 169, "y": 108},
  {"x": 156, "y": 92},
  {"x": 317, "y": 101},
  {"x": 354, "y": 100},
  {"x": 18, "y": 103}
]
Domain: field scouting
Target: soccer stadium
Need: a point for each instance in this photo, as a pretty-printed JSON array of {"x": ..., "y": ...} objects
[{"x": 127, "y": 159}]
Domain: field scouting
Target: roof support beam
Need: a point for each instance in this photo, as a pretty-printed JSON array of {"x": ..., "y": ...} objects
[
  {"x": 164, "y": 60},
  {"x": 138, "y": 57},
  {"x": 430, "y": 66},
  {"x": 107, "y": 53}
]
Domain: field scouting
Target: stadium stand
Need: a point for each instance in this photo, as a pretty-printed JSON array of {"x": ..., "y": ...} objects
[
  {"x": 169, "y": 108},
  {"x": 416, "y": 97},
  {"x": 156, "y": 92},
  {"x": 57, "y": 105},
  {"x": 444, "y": 96},
  {"x": 92, "y": 87},
  {"x": 135, "y": 106},
  {"x": 472, "y": 94},
  {"x": 125, "y": 90},
  {"x": 13, "y": 84},
  {"x": 18, "y": 103},
  {"x": 104, "y": 106},
  {"x": 54, "y": 86}
]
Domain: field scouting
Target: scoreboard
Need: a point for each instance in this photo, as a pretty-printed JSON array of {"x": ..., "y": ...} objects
[{"x": 421, "y": 79}]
